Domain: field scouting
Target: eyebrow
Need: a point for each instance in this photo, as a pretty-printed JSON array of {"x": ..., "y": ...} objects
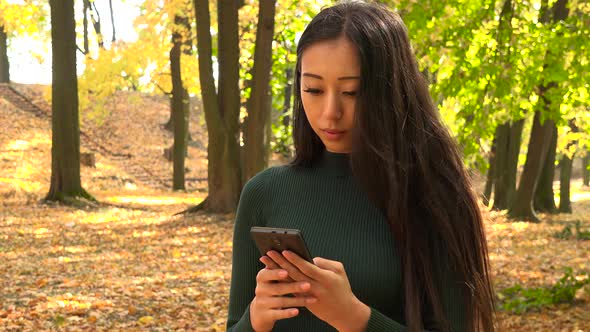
[{"x": 339, "y": 78}]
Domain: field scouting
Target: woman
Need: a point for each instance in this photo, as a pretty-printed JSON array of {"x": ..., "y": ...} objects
[{"x": 378, "y": 189}]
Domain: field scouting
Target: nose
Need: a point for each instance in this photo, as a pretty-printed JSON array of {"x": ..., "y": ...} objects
[{"x": 333, "y": 107}]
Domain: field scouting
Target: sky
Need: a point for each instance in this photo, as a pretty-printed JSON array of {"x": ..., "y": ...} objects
[{"x": 24, "y": 52}]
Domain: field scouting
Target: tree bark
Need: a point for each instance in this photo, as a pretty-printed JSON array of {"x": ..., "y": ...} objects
[
  {"x": 65, "y": 135},
  {"x": 538, "y": 146},
  {"x": 506, "y": 166},
  {"x": 502, "y": 141},
  {"x": 180, "y": 106},
  {"x": 85, "y": 8},
  {"x": 288, "y": 91},
  {"x": 585, "y": 171},
  {"x": 222, "y": 109},
  {"x": 487, "y": 192},
  {"x": 4, "y": 64},
  {"x": 256, "y": 127},
  {"x": 114, "y": 38},
  {"x": 544, "y": 200},
  {"x": 565, "y": 174},
  {"x": 95, "y": 22}
]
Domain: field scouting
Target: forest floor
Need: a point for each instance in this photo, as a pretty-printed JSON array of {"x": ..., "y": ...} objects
[{"x": 132, "y": 266}]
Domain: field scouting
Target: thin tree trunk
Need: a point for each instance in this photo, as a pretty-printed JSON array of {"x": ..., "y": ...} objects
[
  {"x": 512, "y": 160},
  {"x": 487, "y": 192},
  {"x": 65, "y": 149},
  {"x": 221, "y": 110},
  {"x": 565, "y": 174},
  {"x": 544, "y": 200},
  {"x": 502, "y": 142},
  {"x": 180, "y": 104},
  {"x": 86, "y": 7},
  {"x": 288, "y": 93},
  {"x": 4, "y": 64},
  {"x": 585, "y": 171},
  {"x": 114, "y": 38},
  {"x": 95, "y": 22},
  {"x": 257, "y": 122}
]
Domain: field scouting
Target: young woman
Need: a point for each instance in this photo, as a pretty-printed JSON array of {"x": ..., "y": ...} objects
[{"x": 378, "y": 189}]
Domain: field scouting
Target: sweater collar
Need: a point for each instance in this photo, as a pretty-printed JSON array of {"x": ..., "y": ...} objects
[{"x": 334, "y": 163}]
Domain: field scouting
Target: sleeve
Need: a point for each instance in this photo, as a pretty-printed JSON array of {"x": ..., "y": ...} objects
[{"x": 245, "y": 255}]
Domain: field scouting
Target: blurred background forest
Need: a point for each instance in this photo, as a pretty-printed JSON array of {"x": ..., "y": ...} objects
[{"x": 118, "y": 114}]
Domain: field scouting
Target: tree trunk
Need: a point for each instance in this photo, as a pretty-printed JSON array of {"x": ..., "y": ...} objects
[
  {"x": 65, "y": 149},
  {"x": 114, "y": 38},
  {"x": 565, "y": 173},
  {"x": 540, "y": 135},
  {"x": 502, "y": 139},
  {"x": 544, "y": 200},
  {"x": 487, "y": 192},
  {"x": 221, "y": 110},
  {"x": 538, "y": 146},
  {"x": 180, "y": 104},
  {"x": 95, "y": 22},
  {"x": 585, "y": 171},
  {"x": 287, "y": 92},
  {"x": 507, "y": 163},
  {"x": 4, "y": 65},
  {"x": 85, "y": 8},
  {"x": 257, "y": 122}
]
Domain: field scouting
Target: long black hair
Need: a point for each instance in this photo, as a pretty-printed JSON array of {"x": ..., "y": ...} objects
[{"x": 407, "y": 162}]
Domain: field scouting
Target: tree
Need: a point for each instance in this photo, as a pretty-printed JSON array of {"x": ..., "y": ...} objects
[
  {"x": 256, "y": 124},
  {"x": 222, "y": 107},
  {"x": 541, "y": 132},
  {"x": 585, "y": 171},
  {"x": 65, "y": 132},
  {"x": 544, "y": 199},
  {"x": 180, "y": 99},
  {"x": 565, "y": 173},
  {"x": 4, "y": 65}
]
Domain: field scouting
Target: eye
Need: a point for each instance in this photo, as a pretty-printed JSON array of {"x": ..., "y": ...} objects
[
  {"x": 313, "y": 92},
  {"x": 350, "y": 93}
]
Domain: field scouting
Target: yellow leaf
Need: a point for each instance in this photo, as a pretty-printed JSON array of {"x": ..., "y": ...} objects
[{"x": 146, "y": 320}]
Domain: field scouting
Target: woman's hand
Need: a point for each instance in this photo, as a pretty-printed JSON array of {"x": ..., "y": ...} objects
[
  {"x": 336, "y": 304},
  {"x": 270, "y": 303}
]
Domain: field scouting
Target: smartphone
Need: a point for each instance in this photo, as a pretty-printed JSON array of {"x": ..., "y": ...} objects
[{"x": 279, "y": 239}]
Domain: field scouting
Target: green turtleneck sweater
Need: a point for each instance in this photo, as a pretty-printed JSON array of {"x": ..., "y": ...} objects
[{"x": 338, "y": 222}]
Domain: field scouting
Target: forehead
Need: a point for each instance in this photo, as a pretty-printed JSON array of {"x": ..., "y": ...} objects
[{"x": 331, "y": 58}]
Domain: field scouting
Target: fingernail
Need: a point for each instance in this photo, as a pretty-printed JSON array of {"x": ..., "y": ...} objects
[
  {"x": 283, "y": 274},
  {"x": 293, "y": 312},
  {"x": 311, "y": 300},
  {"x": 305, "y": 286}
]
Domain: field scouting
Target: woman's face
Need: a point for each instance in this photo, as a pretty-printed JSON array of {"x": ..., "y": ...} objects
[{"x": 330, "y": 80}]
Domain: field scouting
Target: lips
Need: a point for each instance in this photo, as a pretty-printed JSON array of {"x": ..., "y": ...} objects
[{"x": 333, "y": 132}]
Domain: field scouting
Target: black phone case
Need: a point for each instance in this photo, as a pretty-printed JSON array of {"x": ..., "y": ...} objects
[{"x": 279, "y": 239}]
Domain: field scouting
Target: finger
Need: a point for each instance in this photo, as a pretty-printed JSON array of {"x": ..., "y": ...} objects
[
  {"x": 289, "y": 288},
  {"x": 293, "y": 271},
  {"x": 326, "y": 264},
  {"x": 277, "y": 314},
  {"x": 312, "y": 271},
  {"x": 282, "y": 302},
  {"x": 271, "y": 265},
  {"x": 266, "y": 275}
]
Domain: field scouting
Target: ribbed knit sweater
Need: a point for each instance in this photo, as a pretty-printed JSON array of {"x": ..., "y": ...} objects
[{"x": 338, "y": 222}]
